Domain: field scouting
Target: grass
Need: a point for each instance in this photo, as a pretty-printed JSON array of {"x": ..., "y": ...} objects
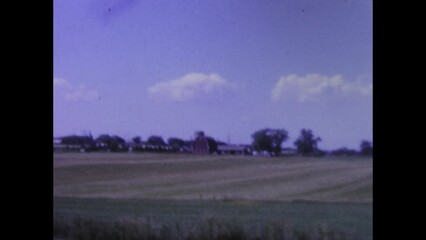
[
  {"x": 194, "y": 217},
  {"x": 172, "y": 196},
  {"x": 210, "y": 229}
]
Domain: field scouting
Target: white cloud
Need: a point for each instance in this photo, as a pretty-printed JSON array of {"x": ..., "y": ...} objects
[
  {"x": 81, "y": 93},
  {"x": 188, "y": 86},
  {"x": 60, "y": 82},
  {"x": 360, "y": 87},
  {"x": 75, "y": 93},
  {"x": 312, "y": 85}
]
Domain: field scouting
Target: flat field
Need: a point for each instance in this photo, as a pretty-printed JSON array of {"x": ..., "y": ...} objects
[
  {"x": 170, "y": 188},
  {"x": 168, "y": 176}
]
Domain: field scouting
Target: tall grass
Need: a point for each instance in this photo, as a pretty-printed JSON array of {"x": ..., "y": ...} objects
[{"x": 80, "y": 228}]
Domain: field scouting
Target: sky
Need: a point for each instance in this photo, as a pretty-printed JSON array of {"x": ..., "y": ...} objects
[{"x": 225, "y": 67}]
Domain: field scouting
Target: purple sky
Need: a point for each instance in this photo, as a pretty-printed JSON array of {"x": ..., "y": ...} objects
[{"x": 227, "y": 67}]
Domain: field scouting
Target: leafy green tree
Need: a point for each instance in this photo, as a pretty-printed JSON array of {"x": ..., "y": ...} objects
[
  {"x": 269, "y": 140},
  {"x": 137, "y": 140},
  {"x": 85, "y": 142},
  {"x": 212, "y": 144},
  {"x": 119, "y": 143},
  {"x": 261, "y": 141},
  {"x": 176, "y": 143},
  {"x": 156, "y": 141},
  {"x": 112, "y": 143},
  {"x": 71, "y": 140},
  {"x": 136, "y": 145},
  {"x": 366, "y": 148},
  {"x": 307, "y": 143}
]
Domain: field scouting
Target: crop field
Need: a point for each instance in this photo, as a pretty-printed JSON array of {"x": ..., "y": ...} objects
[{"x": 300, "y": 193}]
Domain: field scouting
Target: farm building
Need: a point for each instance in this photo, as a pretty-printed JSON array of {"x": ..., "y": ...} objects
[
  {"x": 288, "y": 151},
  {"x": 233, "y": 149},
  {"x": 200, "y": 144},
  {"x": 67, "y": 148},
  {"x": 58, "y": 146}
]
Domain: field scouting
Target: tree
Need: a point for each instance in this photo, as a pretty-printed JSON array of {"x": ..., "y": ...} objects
[
  {"x": 307, "y": 143},
  {"x": 85, "y": 142},
  {"x": 366, "y": 148},
  {"x": 137, "y": 140},
  {"x": 112, "y": 143},
  {"x": 269, "y": 140},
  {"x": 119, "y": 144},
  {"x": 136, "y": 144},
  {"x": 177, "y": 144},
  {"x": 104, "y": 142},
  {"x": 212, "y": 144},
  {"x": 71, "y": 140},
  {"x": 261, "y": 141},
  {"x": 157, "y": 142}
]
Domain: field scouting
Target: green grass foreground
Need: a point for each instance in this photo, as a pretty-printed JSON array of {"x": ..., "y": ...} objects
[
  {"x": 216, "y": 197},
  {"x": 100, "y": 218}
]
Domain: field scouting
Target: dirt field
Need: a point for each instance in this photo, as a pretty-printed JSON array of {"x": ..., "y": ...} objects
[{"x": 170, "y": 176}]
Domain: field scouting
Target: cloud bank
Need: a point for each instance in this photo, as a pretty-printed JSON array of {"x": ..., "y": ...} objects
[
  {"x": 75, "y": 93},
  {"x": 188, "y": 87},
  {"x": 312, "y": 86}
]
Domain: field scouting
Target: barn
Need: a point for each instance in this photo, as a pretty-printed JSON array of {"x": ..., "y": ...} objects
[{"x": 200, "y": 144}]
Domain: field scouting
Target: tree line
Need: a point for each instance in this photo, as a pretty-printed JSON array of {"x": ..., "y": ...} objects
[
  {"x": 271, "y": 140},
  {"x": 264, "y": 141}
]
